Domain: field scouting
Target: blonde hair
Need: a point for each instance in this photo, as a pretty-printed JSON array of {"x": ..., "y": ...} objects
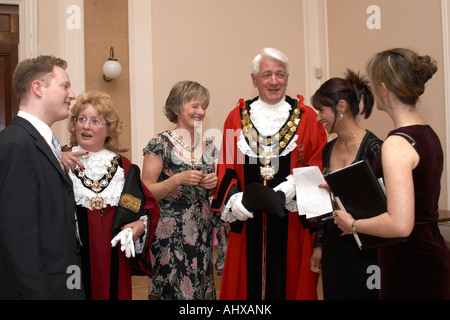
[
  {"x": 403, "y": 72},
  {"x": 103, "y": 104}
]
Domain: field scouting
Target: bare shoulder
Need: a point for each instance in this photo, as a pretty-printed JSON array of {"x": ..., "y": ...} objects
[{"x": 397, "y": 151}]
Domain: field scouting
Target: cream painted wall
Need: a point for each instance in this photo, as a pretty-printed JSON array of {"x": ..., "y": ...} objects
[
  {"x": 414, "y": 24},
  {"x": 60, "y": 32},
  {"x": 214, "y": 43},
  {"x": 49, "y": 44}
]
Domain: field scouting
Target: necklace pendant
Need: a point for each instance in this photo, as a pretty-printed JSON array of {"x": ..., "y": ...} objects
[
  {"x": 97, "y": 203},
  {"x": 193, "y": 163},
  {"x": 300, "y": 150},
  {"x": 267, "y": 172}
]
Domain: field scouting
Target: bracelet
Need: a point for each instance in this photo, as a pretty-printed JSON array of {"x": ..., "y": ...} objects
[
  {"x": 144, "y": 220},
  {"x": 353, "y": 226},
  {"x": 167, "y": 187}
]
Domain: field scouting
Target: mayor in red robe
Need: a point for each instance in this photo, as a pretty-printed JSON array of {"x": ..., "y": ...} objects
[
  {"x": 268, "y": 257},
  {"x": 264, "y": 139}
]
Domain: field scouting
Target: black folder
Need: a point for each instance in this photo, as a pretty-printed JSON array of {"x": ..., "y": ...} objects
[{"x": 362, "y": 195}]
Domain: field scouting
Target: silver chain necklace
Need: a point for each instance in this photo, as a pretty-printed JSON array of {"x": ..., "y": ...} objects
[
  {"x": 192, "y": 161},
  {"x": 184, "y": 145}
]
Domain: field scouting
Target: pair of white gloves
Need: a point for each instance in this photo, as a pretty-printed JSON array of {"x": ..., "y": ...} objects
[
  {"x": 126, "y": 240},
  {"x": 125, "y": 237},
  {"x": 235, "y": 210}
]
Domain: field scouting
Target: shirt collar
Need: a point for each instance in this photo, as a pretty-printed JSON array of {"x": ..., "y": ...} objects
[{"x": 40, "y": 126}]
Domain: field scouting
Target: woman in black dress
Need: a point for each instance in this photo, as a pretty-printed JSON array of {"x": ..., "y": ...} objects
[
  {"x": 411, "y": 163},
  {"x": 343, "y": 265}
]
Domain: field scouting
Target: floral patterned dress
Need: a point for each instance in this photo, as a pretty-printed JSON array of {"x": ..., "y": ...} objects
[{"x": 182, "y": 249}]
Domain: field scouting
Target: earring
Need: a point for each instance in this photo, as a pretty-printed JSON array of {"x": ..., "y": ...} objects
[{"x": 341, "y": 116}]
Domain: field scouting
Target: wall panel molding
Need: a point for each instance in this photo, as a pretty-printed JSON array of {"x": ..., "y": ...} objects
[
  {"x": 316, "y": 45},
  {"x": 141, "y": 77},
  {"x": 71, "y": 49}
]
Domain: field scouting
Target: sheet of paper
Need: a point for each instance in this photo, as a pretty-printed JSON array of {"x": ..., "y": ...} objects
[{"x": 312, "y": 201}]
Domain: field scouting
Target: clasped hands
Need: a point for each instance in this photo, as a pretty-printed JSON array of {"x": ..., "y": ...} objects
[
  {"x": 241, "y": 213},
  {"x": 197, "y": 178}
]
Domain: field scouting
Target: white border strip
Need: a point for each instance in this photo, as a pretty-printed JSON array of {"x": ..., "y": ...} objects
[
  {"x": 141, "y": 77},
  {"x": 445, "y": 8},
  {"x": 71, "y": 49},
  {"x": 72, "y": 44},
  {"x": 316, "y": 45}
]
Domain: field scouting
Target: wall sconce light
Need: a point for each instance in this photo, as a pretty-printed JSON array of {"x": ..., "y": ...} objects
[{"x": 111, "y": 68}]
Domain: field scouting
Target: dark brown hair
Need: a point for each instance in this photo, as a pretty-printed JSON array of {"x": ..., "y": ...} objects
[{"x": 352, "y": 89}]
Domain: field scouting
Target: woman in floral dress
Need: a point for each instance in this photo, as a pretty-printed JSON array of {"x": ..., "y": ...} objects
[{"x": 179, "y": 170}]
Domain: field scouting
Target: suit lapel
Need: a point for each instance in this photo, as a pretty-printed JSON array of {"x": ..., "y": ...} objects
[
  {"x": 46, "y": 149},
  {"x": 43, "y": 146}
]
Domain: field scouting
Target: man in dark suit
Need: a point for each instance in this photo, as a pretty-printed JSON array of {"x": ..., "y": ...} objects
[{"x": 39, "y": 256}]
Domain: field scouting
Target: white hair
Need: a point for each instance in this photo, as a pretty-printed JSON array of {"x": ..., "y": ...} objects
[{"x": 270, "y": 53}]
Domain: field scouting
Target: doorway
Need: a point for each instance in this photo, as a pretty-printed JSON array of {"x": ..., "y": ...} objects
[{"x": 9, "y": 55}]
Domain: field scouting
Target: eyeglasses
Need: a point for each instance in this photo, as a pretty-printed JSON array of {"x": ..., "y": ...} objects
[{"x": 92, "y": 122}]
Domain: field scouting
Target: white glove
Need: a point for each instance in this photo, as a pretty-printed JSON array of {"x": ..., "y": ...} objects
[
  {"x": 288, "y": 187},
  {"x": 234, "y": 209},
  {"x": 126, "y": 240},
  {"x": 238, "y": 209}
]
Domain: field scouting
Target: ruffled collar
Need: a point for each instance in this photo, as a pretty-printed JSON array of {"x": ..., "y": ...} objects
[
  {"x": 96, "y": 165},
  {"x": 268, "y": 120}
]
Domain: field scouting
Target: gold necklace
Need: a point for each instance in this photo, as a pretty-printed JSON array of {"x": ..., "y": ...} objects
[{"x": 279, "y": 141}]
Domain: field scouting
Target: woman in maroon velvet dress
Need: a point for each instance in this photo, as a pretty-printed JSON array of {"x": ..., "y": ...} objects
[{"x": 411, "y": 164}]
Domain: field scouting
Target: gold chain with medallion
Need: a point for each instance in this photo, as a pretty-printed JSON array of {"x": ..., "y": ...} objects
[
  {"x": 278, "y": 142},
  {"x": 98, "y": 186}
]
